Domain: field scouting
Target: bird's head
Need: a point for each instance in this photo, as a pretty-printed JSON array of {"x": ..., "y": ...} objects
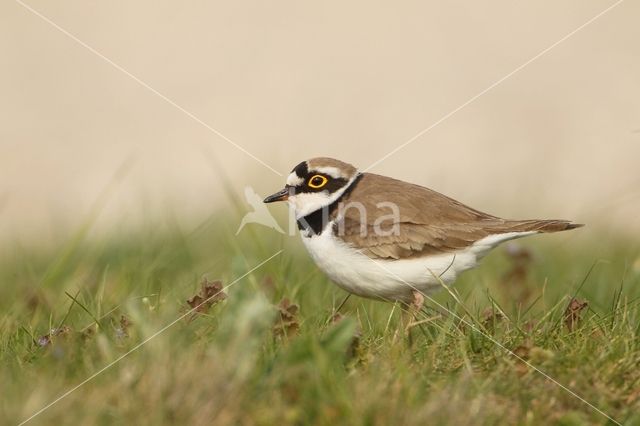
[{"x": 314, "y": 184}]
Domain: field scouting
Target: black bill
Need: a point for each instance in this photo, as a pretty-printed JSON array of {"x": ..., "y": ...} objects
[{"x": 281, "y": 195}]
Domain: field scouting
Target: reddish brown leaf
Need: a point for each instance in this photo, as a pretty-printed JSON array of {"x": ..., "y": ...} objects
[
  {"x": 573, "y": 313},
  {"x": 210, "y": 294},
  {"x": 287, "y": 322},
  {"x": 490, "y": 316}
]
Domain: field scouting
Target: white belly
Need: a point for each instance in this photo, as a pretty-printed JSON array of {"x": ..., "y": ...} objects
[{"x": 393, "y": 280}]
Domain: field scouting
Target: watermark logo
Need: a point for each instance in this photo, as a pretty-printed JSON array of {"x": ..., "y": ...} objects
[
  {"x": 384, "y": 222},
  {"x": 260, "y": 213}
]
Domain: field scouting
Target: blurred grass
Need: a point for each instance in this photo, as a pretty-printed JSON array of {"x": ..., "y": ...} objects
[{"x": 236, "y": 364}]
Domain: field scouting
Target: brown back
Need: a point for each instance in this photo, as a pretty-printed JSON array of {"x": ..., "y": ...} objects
[{"x": 429, "y": 222}]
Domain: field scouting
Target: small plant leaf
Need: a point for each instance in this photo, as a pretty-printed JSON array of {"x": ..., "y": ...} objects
[
  {"x": 287, "y": 323},
  {"x": 573, "y": 313},
  {"x": 210, "y": 294},
  {"x": 45, "y": 340}
]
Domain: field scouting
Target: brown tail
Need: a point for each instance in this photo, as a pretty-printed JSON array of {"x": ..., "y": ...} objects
[{"x": 542, "y": 225}]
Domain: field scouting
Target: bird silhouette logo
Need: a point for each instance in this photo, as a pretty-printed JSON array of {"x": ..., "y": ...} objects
[{"x": 260, "y": 213}]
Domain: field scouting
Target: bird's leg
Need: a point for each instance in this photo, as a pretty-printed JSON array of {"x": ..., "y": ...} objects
[
  {"x": 414, "y": 308},
  {"x": 413, "y": 311},
  {"x": 409, "y": 317},
  {"x": 418, "y": 301}
]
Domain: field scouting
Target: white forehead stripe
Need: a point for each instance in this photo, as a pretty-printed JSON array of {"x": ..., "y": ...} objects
[
  {"x": 294, "y": 180},
  {"x": 331, "y": 171}
]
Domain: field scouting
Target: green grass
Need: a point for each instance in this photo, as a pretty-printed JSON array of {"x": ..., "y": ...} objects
[{"x": 242, "y": 362}]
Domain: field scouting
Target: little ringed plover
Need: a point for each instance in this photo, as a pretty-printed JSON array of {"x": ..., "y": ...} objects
[{"x": 349, "y": 221}]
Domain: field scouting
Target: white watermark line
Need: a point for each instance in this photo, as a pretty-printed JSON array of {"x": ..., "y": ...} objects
[
  {"x": 496, "y": 83},
  {"x": 500, "y": 345},
  {"x": 145, "y": 341},
  {"x": 145, "y": 85}
]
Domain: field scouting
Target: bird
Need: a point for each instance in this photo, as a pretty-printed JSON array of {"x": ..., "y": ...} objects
[{"x": 382, "y": 238}]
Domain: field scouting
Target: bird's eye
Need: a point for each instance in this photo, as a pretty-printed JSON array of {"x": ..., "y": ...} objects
[{"x": 317, "y": 181}]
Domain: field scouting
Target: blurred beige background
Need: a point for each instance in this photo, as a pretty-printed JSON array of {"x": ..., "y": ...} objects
[{"x": 291, "y": 80}]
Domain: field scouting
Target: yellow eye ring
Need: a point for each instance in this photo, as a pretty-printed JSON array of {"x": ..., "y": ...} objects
[{"x": 317, "y": 181}]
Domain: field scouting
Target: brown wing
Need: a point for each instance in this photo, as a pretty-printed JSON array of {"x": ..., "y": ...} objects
[{"x": 426, "y": 222}]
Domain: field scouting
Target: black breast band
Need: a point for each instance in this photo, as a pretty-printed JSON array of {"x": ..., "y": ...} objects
[{"x": 315, "y": 222}]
